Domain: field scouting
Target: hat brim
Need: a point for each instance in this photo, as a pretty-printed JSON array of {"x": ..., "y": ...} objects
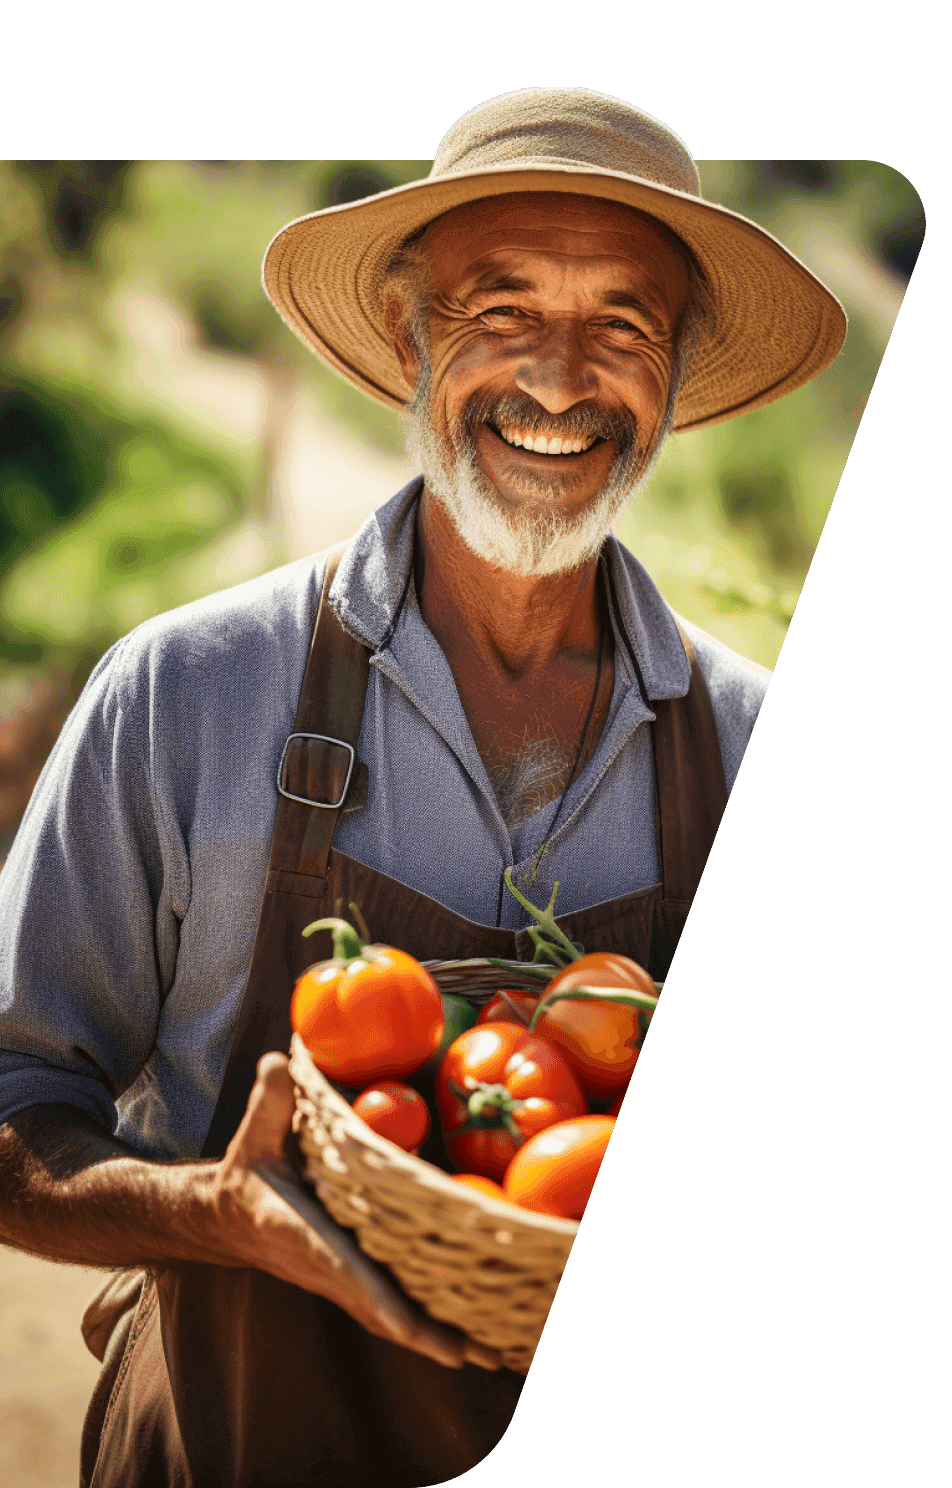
[{"x": 773, "y": 324}]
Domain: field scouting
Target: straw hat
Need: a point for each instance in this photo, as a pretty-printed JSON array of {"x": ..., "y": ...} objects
[{"x": 773, "y": 324}]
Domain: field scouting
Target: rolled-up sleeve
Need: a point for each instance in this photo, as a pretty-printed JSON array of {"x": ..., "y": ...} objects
[{"x": 91, "y": 899}]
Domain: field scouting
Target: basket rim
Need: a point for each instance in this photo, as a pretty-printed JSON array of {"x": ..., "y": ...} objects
[
  {"x": 497, "y": 963},
  {"x": 416, "y": 1168}
]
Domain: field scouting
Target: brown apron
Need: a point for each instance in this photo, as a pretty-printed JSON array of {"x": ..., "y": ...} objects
[{"x": 218, "y": 1378}]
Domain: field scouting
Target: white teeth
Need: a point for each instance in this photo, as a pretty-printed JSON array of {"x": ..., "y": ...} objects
[{"x": 540, "y": 444}]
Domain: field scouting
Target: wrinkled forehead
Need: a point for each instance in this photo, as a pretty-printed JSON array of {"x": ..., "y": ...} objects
[{"x": 550, "y": 222}]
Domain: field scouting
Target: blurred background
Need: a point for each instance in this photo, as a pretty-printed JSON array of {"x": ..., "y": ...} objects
[{"x": 163, "y": 435}]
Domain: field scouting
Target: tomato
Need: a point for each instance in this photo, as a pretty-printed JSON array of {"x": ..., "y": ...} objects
[
  {"x": 600, "y": 1039},
  {"x": 615, "y": 1106},
  {"x": 502, "y": 1083},
  {"x": 395, "y": 1112},
  {"x": 482, "y": 1185},
  {"x": 504, "y": 1007},
  {"x": 553, "y": 1173},
  {"x": 374, "y": 1016},
  {"x": 458, "y": 1015}
]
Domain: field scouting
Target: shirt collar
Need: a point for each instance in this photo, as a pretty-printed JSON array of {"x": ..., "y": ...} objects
[{"x": 371, "y": 583}]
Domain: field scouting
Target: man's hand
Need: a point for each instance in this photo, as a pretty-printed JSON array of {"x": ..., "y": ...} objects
[
  {"x": 71, "y": 1193},
  {"x": 270, "y": 1221}
]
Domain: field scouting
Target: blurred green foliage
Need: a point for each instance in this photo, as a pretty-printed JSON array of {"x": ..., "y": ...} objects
[
  {"x": 126, "y": 488},
  {"x": 732, "y": 517}
]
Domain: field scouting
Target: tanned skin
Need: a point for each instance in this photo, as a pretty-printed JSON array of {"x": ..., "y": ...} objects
[
  {"x": 568, "y": 300},
  {"x": 71, "y": 1193}
]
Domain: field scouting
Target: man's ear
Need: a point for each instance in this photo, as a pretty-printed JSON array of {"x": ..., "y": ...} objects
[{"x": 406, "y": 355}]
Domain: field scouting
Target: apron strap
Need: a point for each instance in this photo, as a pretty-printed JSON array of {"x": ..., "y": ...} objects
[
  {"x": 320, "y": 775},
  {"x": 318, "y": 778},
  {"x": 692, "y": 791}
]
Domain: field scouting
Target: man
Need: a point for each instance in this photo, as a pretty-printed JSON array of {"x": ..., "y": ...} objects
[{"x": 548, "y": 304}]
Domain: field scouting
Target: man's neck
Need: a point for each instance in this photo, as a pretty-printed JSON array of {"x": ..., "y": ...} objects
[
  {"x": 513, "y": 623},
  {"x": 527, "y": 658}
]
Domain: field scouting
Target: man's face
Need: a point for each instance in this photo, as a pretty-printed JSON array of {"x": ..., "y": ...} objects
[{"x": 552, "y": 336}]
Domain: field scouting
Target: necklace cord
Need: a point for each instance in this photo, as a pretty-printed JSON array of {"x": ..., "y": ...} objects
[
  {"x": 574, "y": 771},
  {"x": 585, "y": 728},
  {"x": 540, "y": 854}
]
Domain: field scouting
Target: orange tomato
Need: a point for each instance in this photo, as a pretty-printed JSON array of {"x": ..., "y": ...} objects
[
  {"x": 481, "y": 1184},
  {"x": 377, "y": 1016},
  {"x": 599, "y": 1039},
  {"x": 553, "y": 1173},
  {"x": 498, "y": 1084},
  {"x": 396, "y": 1112}
]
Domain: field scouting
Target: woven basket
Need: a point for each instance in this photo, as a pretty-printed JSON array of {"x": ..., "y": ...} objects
[
  {"x": 484, "y": 1266},
  {"x": 477, "y": 980}
]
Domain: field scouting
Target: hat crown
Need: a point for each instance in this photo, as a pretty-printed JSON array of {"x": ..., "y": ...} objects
[
  {"x": 567, "y": 127},
  {"x": 769, "y": 324}
]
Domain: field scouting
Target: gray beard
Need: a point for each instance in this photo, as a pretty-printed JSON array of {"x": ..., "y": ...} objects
[{"x": 533, "y": 540}]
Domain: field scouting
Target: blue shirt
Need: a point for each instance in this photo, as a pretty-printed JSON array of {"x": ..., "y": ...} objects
[{"x": 130, "y": 898}]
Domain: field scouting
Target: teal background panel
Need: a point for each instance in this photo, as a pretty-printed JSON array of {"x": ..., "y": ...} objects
[{"x": 759, "y": 1289}]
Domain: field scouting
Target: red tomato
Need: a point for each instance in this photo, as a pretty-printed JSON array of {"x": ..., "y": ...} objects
[
  {"x": 499, "y": 1008},
  {"x": 502, "y": 1083},
  {"x": 599, "y": 1039},
  {"x": 554, "y": 1172},
  {"x": 396, "y": 1112},
  {"x": 377, "y": 1017},
  {"x": 482, "y": 1185}
]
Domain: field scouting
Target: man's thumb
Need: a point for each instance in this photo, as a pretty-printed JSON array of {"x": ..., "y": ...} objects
[{"x": 267, "y": 1121}]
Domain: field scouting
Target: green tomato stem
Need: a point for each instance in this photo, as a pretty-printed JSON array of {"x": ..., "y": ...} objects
[
  {"x": 528, "y": 968},
  {"x": 538, "y": 971},
  {"x": 547, "y": 933},
  {"x": 348, "y": 945},
  {"x": 487, "y": 1106},
  {"x": 593, "y": 994},
  {"x": 359, "y": 921}
]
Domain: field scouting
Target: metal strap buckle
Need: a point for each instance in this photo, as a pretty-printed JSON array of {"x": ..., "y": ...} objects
[{"x": 305, "y": 800}]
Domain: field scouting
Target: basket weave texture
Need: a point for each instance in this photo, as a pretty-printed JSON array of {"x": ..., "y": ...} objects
[{"x": 484, "y": 1266}]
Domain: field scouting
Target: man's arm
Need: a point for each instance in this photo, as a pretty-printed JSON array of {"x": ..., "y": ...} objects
[{"x": 71, "y": 1193}]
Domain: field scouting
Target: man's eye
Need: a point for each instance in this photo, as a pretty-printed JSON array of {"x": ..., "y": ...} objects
[
  {"x": 507, "y": 311},
  {"x": 623, "y": 325}
]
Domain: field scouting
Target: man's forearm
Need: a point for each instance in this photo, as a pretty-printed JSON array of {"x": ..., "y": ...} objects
[{"x": 70, "y": 1192}]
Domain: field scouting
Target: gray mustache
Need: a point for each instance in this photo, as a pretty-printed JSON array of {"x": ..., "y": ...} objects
[{"x": 584, "y": 421}]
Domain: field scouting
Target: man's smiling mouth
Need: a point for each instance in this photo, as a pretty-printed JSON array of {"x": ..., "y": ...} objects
[{"x": 543, "y": 444}]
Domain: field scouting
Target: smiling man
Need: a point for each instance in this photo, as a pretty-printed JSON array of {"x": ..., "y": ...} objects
[
  {"x": 542, "y": 357},
  {"x": 483, "y": 679},
  {"x": 554, "y": 325}
]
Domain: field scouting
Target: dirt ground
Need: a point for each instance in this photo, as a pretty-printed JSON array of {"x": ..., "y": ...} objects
[{"x": 46, "y": 1372}]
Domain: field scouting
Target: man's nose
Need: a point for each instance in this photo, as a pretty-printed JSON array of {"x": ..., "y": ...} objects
[{"x": 557, "y": 373}]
